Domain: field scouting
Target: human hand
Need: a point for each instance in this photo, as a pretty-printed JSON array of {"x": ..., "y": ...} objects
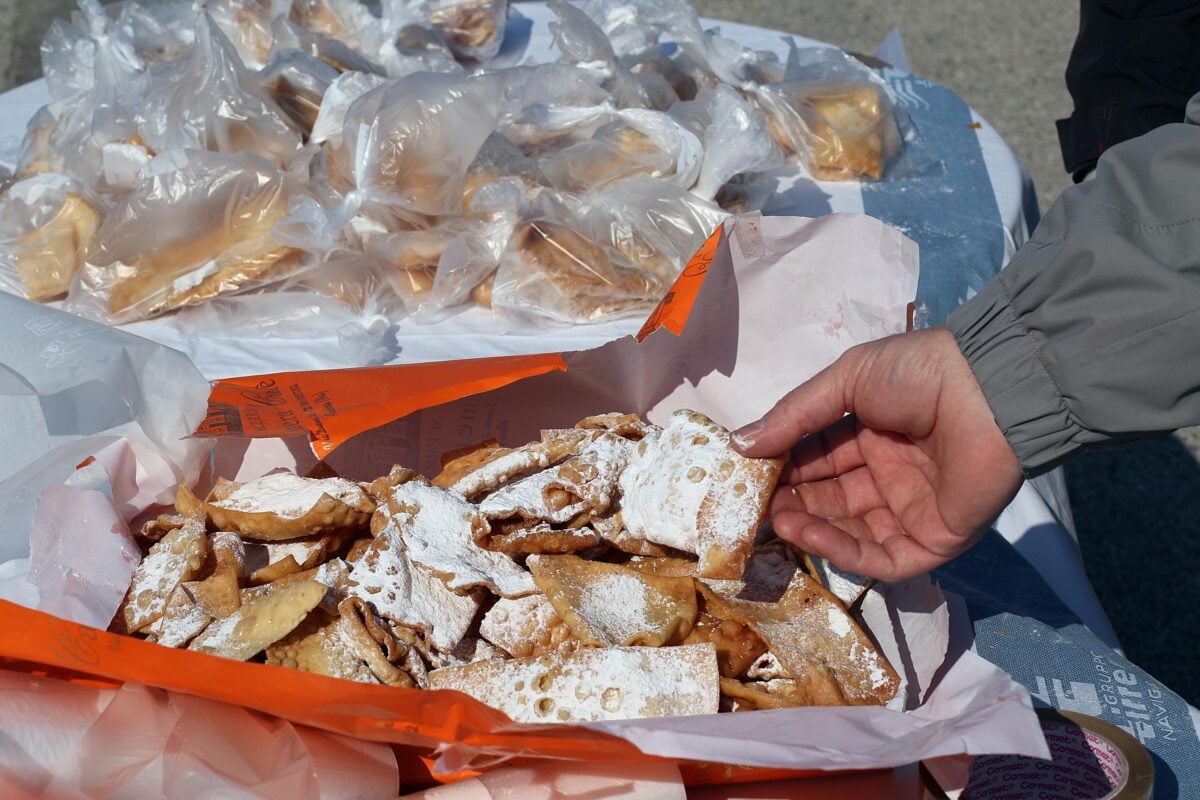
[{"x": 910, "y": 479}]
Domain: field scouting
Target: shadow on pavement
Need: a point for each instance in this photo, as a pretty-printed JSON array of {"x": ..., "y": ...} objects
[{"x": 1137, "y": 511}]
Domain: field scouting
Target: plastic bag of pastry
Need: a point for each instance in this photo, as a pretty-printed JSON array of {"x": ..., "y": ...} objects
[
  {"x": 47, "y": 223},
  {"x": 347, "y": 293},
  {"x": 553, "y": 271},
  {"x": 96, "y": 133},
  {"x": 341, "y": 94},
  {"x": 734, "y": 135},
  {"x": 469, "y": 260},
  {"x": 297, "y": 82},
  {"x": 161, "y": 31},
  {"x": 654, "y": 224},
  {"x": 211, "y": 215},
  {"x": 582, "y": 42},
  {"x": 474, "y": 29},
  {"x": 286, "y": 34},
  {"x": 838, "y": 117},
  {"x": 347, "y": 21},
  {"x": 208, "y": 100},
  {"x": 247, "y": 25},
  {"x": 36, "y": 153},
  {"x": 411, "y": 45},
  {"x": 637, "y": 142},
  {"x": 408, "y": 143}
]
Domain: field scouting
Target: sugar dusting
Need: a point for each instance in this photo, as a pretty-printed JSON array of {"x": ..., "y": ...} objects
[
  {"x": 408, "y": 593},
  {"x": 673, "y": 471},
  {"x": 839, "y": 623},
  {"x": 293, "y": 496},
  {"x": 438, "y": 527},
  {"x": 594, "y": 684},
  {"x": 615, "y": 606}
]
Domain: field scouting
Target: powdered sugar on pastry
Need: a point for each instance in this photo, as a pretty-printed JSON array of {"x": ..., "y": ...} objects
[
  {"x": 176, "y": 558},
  {"x": 686, "y": 488},
  {"x": 291, "y": 496},
  {"x": 593, "y": 475},
  {"x": 408, "y": 593},
  {"x": 533, "y": 456},
  {"x": 440, "y": 529},
  {"x": 526, "y": 626},
  {"x": 593, "y": 684},
  {"x": 526, "y": 498}
]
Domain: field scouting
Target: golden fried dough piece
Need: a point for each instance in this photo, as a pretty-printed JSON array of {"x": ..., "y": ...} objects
[
  {"x": 527, "y": 626},
  {"x": 439, "y": 529},
  {"x": 611, "y": 528},
  {"x": 813, "y": 637},
  {"x": 261, "y": 622},
  {"x": 316, "y": 645},
  {"x": 286, "y": 506},
  {"x": 334, "y": 574},
  {"x": 392, "y": 662},
  {"x": 47, "y": 258},
  {"x": 181, "y": 622},
  {"x": 777, "y": 693},
  {"x": 471, "y": 648},
  {"x": 687, "y": 488},
  {"x": 593, "y": 684},
  {"x": 524, "y": 538},
  {"x": 495, "y": 470},
  {"x": 459, "y": 463},
  {"x": 177, "y": 557},
  {"x": 672, "y": 566},
  {"x": 219, "y": 594},
  {"x": 410, "y": 594},
  {"x": 270, "y": 561},
  {"x": 160, "y": 526},
  {"x": 535, "y": 498},
  {"x": 631, "y": 426},
  {"x": 380, "y": 488},
  {"x": 608, "y": 604},
  {"x": 738, "y": 647},
  {"x": 545, "y": 512}
]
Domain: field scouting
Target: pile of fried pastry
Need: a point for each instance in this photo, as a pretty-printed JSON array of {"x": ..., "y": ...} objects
[
  {"x": 611, "y": 570},
  {"x": 381, "y": 155}
]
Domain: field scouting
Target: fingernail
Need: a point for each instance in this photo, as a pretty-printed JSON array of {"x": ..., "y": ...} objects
[{"x": 743, "y": 438}]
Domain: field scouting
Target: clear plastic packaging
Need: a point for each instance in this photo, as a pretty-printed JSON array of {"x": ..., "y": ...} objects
[
  {"x": 287, "y": 35},
  {"x": 733, "y": 134},
  {"x": 610, "y": 254},
  {"x": 211, "y": 216},
  {"x": 409, "y": 142},
  {"x": 208, "y": 100},
  {"x": 834, "y": 114},
  {"x": 247, "y": 25},
  {"x": 473, "y": 29},
  {"x": 297, "y": 82},
  {"x": 636, "y": 142},
  {"x": 47, "y": 223}
]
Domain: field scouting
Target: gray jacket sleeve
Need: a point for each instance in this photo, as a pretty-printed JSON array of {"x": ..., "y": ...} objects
[{"x": 1091, "y": 334}]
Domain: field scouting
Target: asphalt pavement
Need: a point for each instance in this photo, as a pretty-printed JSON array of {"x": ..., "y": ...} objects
[{"x": 1137, "y": 510}]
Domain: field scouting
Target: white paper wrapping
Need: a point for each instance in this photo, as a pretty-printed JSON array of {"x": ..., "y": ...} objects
[{"x": 767, "y": 318}]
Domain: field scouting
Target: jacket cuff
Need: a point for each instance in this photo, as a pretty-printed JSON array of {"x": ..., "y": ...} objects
[{"x": 1025, "y": 401}]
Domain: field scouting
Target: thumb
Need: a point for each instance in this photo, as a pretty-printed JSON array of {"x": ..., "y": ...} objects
[{"x": 811, "y": 406}]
